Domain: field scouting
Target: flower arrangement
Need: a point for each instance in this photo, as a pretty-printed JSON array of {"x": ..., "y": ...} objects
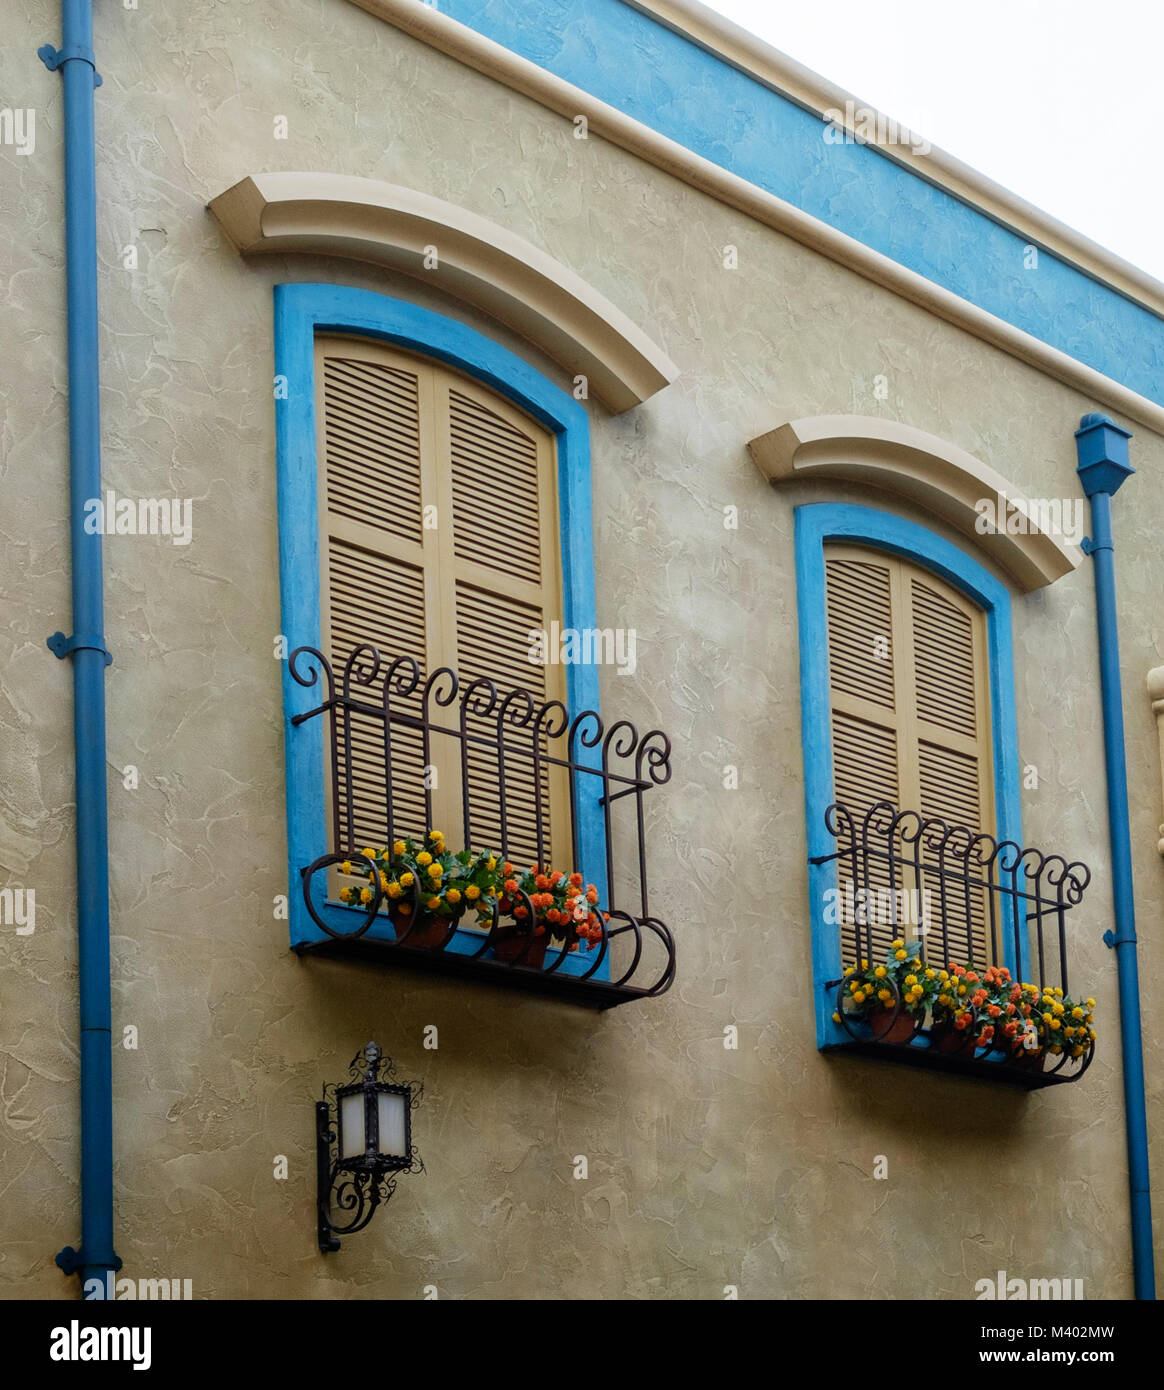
[
  {"x": 969, "y": 1008},
  {"x": 424, "y": 877}
]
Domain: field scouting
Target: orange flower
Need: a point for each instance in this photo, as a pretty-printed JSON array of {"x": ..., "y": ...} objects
[
  {"x": 993, "y": 1010},
  {"x": 542, "y": 881},
  {"x": 510, "y": 886},
  {"x": 591, "y": 894},
  {"x": 575, "y": 880}
]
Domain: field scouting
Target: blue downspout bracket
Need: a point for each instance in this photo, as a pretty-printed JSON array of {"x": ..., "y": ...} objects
[
  {"x": 52, "y": 58},
  {"x": 62, "y": 646}
]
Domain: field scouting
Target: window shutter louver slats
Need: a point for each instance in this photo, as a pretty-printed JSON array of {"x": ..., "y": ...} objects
[
  {"x": 377, "y": 600},
  {"x": 493, "y": 641},
  {"x": 943, "y": 654},
  {"x": 912, "y": 729},
  {"x": 372, "y": 446},
  {"x": 861, "y": 630},
  {"x": 496, "y": 521}
]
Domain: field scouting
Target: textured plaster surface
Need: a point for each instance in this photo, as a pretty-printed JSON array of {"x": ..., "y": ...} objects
[{"x": 707, "y": 1167}]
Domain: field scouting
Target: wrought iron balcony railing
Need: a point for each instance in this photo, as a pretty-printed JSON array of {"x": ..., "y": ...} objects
[
  {"x": 519, "y": 777},
  {"x": 965, "y": 897}
]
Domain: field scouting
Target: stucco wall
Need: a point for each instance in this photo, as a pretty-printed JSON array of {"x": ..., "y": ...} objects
[{"x": 708, "y": 1167}]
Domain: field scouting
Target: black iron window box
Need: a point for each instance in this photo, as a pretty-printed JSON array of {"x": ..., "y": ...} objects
[
  {"x": 918, "y": 901},
  {"x": 382, "y": 738}
]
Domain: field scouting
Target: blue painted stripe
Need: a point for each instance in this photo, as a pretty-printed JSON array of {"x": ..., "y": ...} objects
[
  {"x": 815, "y": 525},
  {"x": 662, "y": 79},
  {"x": 302, "y": 310}
]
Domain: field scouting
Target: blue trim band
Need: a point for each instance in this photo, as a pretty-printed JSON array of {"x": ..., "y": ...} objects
[
  {"x": 815, "y": 525},
  {"x": 639, "y": 66},
  {"x": 301, "y": 311}
]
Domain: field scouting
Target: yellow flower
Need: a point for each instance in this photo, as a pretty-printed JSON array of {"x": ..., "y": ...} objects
[
  {"x": 898, "y": 943},
  {"x": 346, "y": 867},
  {"x": 961, "y": 989},
  {"x": 399, "y": 847},
  {"x": 1057, "y": 992},
  {"x": 899, "y": 955},
  {"x": 406, "y": 880},
  {"x": 365, "y": 895},
  {"x": 1092, "y": 1034},
  {"x": 435, "y": 835},
  {"x": 1057, "y": 1007},
  {"x": 491, "y": 863},
  {"x": 881, "y": 972},
  {"x": 394, "y": 890},
  {"x": 424, "y": 858},
  {"x": 1054, "y": 1022},
  {"x": 836, "y": 1018},
  {"x": 943, "y": 974},
  {"x": 911, "y": 979},
  {"x": 383, "y": 880},
  {"x": 1077, "y": 1051},
  {"x": 859, "y": 996},
  {"x": 454, "y": 895},
  {"x": 1090, "y": 1003},
  {"x": 1077, "y": 1012},
  {"x": 885, "y": 995},
  {"x": 472, "y": 892},
  {"x": 368, "y": 853},
  {"x": 435, "y": 871},
  {"x": 433, "y": 904},
  {"x": 345, "y": 894},
  {"x": 929, "y": 974}
]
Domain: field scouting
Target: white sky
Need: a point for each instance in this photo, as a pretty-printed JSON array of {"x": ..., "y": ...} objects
[{"x": 1057, "y": 100}]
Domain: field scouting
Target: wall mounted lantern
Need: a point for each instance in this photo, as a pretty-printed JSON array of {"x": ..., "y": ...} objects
[{"x": 363, "y": 1139}]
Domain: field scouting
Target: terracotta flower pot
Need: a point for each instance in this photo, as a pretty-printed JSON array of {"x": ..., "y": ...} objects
[
  {"x": 946, "y": 1038},
  {"x": 900, "y": 1030},
  {"x": 509, "y": 943},
  {"x": 428, "y": 934}
]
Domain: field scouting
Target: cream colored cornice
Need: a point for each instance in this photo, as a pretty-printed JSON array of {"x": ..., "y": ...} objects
[
  {"x": 791, "y": 79},
  {"x": 467, "y": 256},
  {"x": 927, "y": 471},
  {"x": 466, "y": 45}
]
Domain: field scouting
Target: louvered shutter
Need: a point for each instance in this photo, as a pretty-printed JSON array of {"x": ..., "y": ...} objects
[
  {"x": 440, "y": 543},
  {"x": 504, "y": 558},
  {"x": 910, "y": 725}
]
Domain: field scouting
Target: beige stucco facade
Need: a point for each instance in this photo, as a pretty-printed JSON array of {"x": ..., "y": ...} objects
[{"x": 708, "y": 1167}]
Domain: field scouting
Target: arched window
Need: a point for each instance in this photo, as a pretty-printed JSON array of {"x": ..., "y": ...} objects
[
  {"x": 434, "y": 502},
  {"x": 907, "y": 698}
]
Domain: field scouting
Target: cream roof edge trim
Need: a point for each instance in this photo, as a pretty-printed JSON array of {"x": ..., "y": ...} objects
[
  {"x": 478, "y": 262},
  {"x": 520, "y": 75},
  {"x": 927, "y": 471},
  {"x": 775, "y": 69}
]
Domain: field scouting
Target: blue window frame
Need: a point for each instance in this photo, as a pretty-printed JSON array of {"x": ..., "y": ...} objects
[
  {"x": 817, "y": 524},
  {"x": 301, "y": 312}
]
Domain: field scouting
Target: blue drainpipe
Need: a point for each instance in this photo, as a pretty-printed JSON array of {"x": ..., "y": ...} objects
[
  {"x": 1103, "y": 465},
  {"x": 74, "y": 60}
]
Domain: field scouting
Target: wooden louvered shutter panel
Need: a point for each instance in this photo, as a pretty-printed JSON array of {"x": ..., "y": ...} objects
[
  {"x": 503, "y": 496},
  {"x": 910, "y": 725},
  {"x": 951, "y": 719},
  {"x": 376, "y": 566},
  {"x": 865, "y": 716}
]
